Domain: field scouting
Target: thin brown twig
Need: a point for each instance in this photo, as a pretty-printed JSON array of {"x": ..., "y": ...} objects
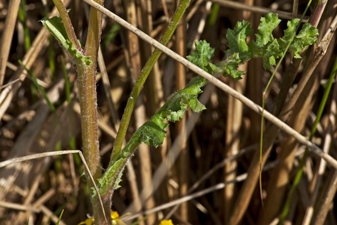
[
  {"x": 15, "y": 206},
  {"x": 257, "y": 9}
]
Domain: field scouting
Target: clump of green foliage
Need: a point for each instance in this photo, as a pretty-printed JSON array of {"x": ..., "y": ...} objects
[{"x": 266, "y": 47}]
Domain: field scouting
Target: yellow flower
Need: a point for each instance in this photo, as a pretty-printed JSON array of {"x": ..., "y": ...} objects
[
  {"x": 115, "y": 219},
  {"x": 88, "y": 221},
  {"x": 166, "y": 222}
]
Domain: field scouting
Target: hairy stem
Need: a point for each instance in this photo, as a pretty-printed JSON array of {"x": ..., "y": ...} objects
[{"x": 88, "y": 102}]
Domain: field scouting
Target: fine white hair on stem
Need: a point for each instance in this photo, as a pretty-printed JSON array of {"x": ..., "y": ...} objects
[
  {"x": 283, "y": 126},
  {"x": 46, "y": 154}
]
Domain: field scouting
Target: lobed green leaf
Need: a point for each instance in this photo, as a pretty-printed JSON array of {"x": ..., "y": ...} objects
[
  {"x": 230, "y": 65},
  {"x": 289, "y": 33},
  {"x": 113, "y": 174},
  {"x": 201, "y": 56},
  {"x": 266, "y": 46},
  {"x": 266, "y": 27},
  {"x": 237, "y": 40},
  {"x": 152, "y": 133},
  {"x": 306, "y": 37},
  {"x": 270, "y": 53}
]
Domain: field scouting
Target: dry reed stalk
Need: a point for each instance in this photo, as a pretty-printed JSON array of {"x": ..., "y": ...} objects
[
  {"x": 233, "y": 137},
  {"x": 327, "y": 198},
  {"x": 154, "y": 95},
  {"x": 107, "y": 87},
  {"x": 134, "y": 188},
  {"x": 7, "y": 35},
  {"x": 218, "y": 186},
  {"x": 254, "y": 84},
  {"x": 183, "y": 159},
  {"x": 26, "y": 138},
  {"x": 255, "y": 9},
  {"x": 132, "y": 57}
]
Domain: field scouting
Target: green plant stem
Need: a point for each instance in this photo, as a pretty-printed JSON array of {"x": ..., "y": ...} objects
[
  {"x": 316, "y": 16},
  {"x": 111, "y": 175},
  {"x": 67, "y": 24},
  {"x": 87, "y": 84},
  {"x": 212, "y": 18},
  {"x": 312, "y": 133},
  {"x": 142, "y": 78},
  {"x": 51, "y": 57},
  {"x": 66, "y": 81},
  {"x": 44, "y": 94},
  {"x": 264, "y": 94},
  {"x": 23, "y": 20},
  {"x": 88, "y": 96},
  {"x": 88, "y": 100}
]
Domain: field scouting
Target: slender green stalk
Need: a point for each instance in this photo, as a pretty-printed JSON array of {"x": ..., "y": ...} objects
[
  {"x": 51, "y": 57},
  {"x": 44, "y": 94},
  {"x": 264, "y": 94},
  {"x": 23, "y": 20},
  {"x": 212, "y": 17},
  {"x": 312, "y": 133},
  {"x": 142, "y": 78},
  {"x": 67, "y": 24},
  {"x": 66, "y": 81}
]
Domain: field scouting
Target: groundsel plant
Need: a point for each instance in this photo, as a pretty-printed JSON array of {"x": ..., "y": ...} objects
[{"x": 153, "y": 131}]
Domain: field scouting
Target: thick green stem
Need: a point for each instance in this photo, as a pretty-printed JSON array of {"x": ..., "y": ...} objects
[
  {"x": 87, "y": 85},
  {"x": 88, "y": 102},
  {"x": 100, "y": 217},
  {"x": 142, "y": 78},
  {"x": 88, "y": 96}
]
